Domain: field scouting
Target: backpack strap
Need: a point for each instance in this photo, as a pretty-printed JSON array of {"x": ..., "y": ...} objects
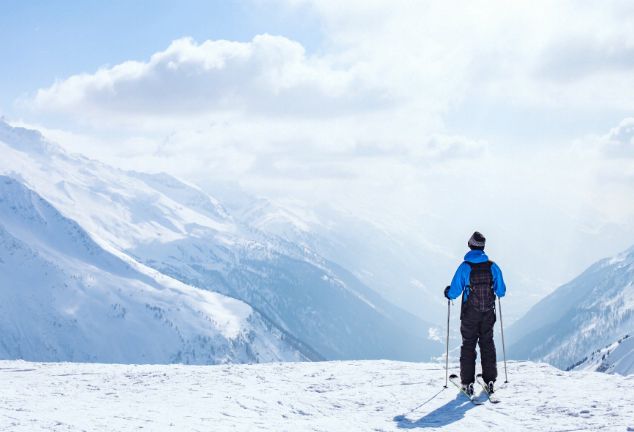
[{"x": 470, "y": 264}]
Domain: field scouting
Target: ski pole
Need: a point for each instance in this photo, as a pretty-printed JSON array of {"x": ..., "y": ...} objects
[
  {"x": 506, "y": 377},
  {"x": 447, "y": 345}
]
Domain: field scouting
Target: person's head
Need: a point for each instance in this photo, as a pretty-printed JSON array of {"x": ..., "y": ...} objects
[{"x": 477, "y": 241}]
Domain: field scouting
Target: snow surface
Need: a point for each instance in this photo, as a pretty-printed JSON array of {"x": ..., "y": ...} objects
[{"x": 320, "y": 396}]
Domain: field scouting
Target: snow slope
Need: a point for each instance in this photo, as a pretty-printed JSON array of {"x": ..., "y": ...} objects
[
  {"x": 66, "y": 298},
  {"x": 586, "y": 314},
  {"x": 184, "y": 233},
  {"x": 320, "y": 396},
  {"x": 615, "y": 358},
  {"x": 402, "y": 269}
]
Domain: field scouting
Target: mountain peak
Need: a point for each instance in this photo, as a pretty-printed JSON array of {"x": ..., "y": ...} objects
[
  {"x": 67, "y": 298},
  {"x": 184, "y": 193},
  {"x": 582, "y": 316},
  {"x": 25, "y": 140}
]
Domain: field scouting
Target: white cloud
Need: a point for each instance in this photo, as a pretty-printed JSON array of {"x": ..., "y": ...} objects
[
  {"x": 374, "y": 121},
  {"x": 424, "y": 59},
  {"x": 585, "y": 55},
  {"x": 270, "y": 75},
  {"x": 619, "y": 142},
  {"x": 533, "y": 53}
]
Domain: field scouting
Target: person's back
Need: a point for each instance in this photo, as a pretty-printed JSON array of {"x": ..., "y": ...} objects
[{"x": 479, "y": 281}]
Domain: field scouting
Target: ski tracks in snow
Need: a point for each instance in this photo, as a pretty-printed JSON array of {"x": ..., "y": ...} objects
[{"x": 325, "y": 396}]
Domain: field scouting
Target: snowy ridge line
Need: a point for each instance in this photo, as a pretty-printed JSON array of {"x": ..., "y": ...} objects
[
  {"x": 581, "y": 317},
  {"x": 310, "y": 353},
  {"x": 65, "y": 297},
  {"x": 602, "y": 351},
  {"x": 180, "y": 231},
  {"x": 617, "y": 357},
  {"x": 352, "y": 242},
  {"x": 93, "y": 245}
]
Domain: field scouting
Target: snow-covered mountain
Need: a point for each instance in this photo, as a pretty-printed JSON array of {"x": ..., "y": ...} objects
[
  {"x": 614, "y": 358},
  {"x": 317, "y": 396},
  {"x": 183, "y": 232},
  {"x": 406, "y": 271},
  {"x": 66, "y": 298},
  {"x": 588, "y": 313}
]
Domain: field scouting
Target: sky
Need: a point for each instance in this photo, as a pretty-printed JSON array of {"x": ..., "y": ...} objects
[{"x": 431, "y": 119}]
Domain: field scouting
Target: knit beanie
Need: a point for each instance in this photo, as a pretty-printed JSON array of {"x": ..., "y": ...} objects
[{"x": 477, "y": 241}]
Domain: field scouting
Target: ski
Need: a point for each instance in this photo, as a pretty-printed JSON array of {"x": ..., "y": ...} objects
[
  {"x": 491, "y": 396},
  {"x": 453, "y": 378}
]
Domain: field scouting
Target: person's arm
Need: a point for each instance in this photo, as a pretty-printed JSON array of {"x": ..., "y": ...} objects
[
  {"x": 499, "y": 287},
  {"x": 459, "y": 281}
]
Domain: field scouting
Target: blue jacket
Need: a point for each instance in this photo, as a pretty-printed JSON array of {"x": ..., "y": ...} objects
[{"x": 460, "y": 280}]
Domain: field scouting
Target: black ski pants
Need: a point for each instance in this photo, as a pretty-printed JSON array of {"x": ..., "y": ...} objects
[{"x": 477, "y": 328}]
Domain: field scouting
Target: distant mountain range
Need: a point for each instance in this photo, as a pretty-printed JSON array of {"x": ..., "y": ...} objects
[
  {"x": 408, "y": 273},
  {"x": 101, "y": 264},
  {"x": 65, "y": 297},
  {"x": 299, "y": 305},
  {"x": 587, "y": 314}
]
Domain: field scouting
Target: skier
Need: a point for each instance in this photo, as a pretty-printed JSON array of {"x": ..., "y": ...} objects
[{"x": 479, "y": 281}]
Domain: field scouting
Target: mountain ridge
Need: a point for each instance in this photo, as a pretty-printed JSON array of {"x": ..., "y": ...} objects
[
  {"x": 589, "y": 312},
  {"x": 66, "y": 298},
  {"x": 179, "y": 230}
]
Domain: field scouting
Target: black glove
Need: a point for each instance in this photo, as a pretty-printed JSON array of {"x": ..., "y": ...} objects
[{"x": 447, "y": 293}]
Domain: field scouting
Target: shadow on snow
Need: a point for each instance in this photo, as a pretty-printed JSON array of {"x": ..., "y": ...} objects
[{"x": 450, "y": 412}]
